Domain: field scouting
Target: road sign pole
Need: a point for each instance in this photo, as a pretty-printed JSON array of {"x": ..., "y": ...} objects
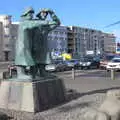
[
  {"x": 73, "y": 73},
  {"x": 112, "y": 74}
]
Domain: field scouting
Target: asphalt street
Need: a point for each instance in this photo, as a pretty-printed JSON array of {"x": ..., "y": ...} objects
[
  {"x": 85, "y": 80},
  {"x": 90, "y": 80}
]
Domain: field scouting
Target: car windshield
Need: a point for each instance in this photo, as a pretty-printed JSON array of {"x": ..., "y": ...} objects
[
  {"x": 109, "y": 57},
  {"x": 116, "y": 60},
  {"x": 57, "y": 62},
  {"x": 73, "y": 60},
  {"x": 85, "y": 60}
]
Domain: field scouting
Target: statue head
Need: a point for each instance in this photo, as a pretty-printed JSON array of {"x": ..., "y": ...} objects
[
  {"x": 42, "y": 14},
  {"x": 28, "y": 13}
]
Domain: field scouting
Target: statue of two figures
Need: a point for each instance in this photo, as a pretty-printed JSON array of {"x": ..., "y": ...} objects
[{"x": 32, "y": 43}]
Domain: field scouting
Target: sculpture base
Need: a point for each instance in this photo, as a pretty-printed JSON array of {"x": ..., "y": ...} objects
[{"x": 31, "y": 96}]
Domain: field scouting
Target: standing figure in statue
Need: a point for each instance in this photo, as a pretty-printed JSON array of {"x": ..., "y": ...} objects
[
  {"x": 24, "y": 56},
  {"x": 41, "y": 53}
]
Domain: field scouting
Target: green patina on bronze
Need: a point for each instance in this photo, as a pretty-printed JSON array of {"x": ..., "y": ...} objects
[{"x": 32, "y": 44}]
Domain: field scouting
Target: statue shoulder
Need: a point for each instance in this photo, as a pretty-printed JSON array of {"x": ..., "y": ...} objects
[{"x": 29, "y": 24}]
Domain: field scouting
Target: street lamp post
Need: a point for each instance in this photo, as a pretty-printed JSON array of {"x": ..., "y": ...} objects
[{"x": 95, "y": 47}]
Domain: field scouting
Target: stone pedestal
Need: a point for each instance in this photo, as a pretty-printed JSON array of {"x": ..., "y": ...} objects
[{"x": 31, "y": 96}]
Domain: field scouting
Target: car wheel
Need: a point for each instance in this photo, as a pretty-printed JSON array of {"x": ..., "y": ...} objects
[
  {"x": 57, "y": 70},
  {"x": 85, "y": 68},
  {"x": 80, "y": 68},
  {"x": 89, "y": 67}
]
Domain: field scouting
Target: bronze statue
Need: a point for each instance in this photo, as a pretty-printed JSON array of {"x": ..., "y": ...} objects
[
  {"x": 41, "y": 54},
  {"x": 31, "y": 46}
]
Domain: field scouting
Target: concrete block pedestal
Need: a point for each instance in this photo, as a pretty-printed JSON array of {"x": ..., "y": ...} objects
[{"x": 31, "y": 96}]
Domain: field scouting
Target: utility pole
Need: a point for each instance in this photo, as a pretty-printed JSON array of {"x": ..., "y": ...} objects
[
  {"x": 95, "y": 47},
  {"x": 84, "y": 52}
]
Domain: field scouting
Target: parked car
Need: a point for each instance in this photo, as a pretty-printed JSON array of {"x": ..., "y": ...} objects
[
  {"x": 105, "y": 60},
  {"x": 86, "y": 63},
  {"x": 56, "y": 66},
  {"x": 114, "y": 64},
  {"x": 73, "y": 63}
]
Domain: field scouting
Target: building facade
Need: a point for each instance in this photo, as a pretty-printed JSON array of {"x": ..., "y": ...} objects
[
  {"x": 14, "y": 36},
  {"x": 85, "y": 41},
  {"x": 109, "y": 42},
  {"x": 5, "y": 38},
  {"x": 57, "y": 39},
  {"x": 71, "y": 39}
]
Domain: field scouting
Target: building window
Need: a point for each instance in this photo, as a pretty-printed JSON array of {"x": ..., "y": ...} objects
[
  {"x": 56, "y": 32},
  {"x": 6, "y": 26},
  {"x": 61, "y": 38},
  {"x": 6, "y": 36},
  {"x": 5, "y": 18},
  {"x": 65, "y": 33},
  {"x": 6, "y": 45},
  {"x": 56, "y": 38},
  {"x": 92, "y": 31},
  {"x": 86, "y": 30},
  {"x": 61, "y": 33},
  {"x": 6, "y": 54},
  {"x": 49, "y": 38}
]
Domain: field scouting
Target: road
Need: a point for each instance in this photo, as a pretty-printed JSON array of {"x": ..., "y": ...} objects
[{"x": 90, "y": 80}]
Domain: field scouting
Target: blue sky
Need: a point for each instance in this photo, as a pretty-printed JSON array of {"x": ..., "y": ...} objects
[{"x": 85, "y": 13}]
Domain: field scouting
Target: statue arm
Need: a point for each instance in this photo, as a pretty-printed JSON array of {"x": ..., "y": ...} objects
[
  {"x": 55, "y": 20},
  {"x": 31, "y": 24}
]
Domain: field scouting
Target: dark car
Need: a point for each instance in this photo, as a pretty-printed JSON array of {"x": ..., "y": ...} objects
[
  {"x": 73, "y": 63},
  {"x": 88, "y": 63}
]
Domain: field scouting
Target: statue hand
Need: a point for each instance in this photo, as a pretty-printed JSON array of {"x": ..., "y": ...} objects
[
  {"x": 48, "y": 10},
  {"x": 44, "y": 10}
]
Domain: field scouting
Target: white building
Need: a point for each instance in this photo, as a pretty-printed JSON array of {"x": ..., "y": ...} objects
[
  {"x": 57, "y": 40},
  {"x": 14, "y": 36},
  {"x": 5, "y": 38}
]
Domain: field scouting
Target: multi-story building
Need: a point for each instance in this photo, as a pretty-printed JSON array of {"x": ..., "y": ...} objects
[
  {"x": 109, "y": 42},
  {"x": 57, "y": 39},
  {"x": 1, "y": 41},
  {"x": 14, "y": 36},
  {"x": 89, "y": 41},
  {"x": 5, "y": 38},
  {"x": 72, "y": 39}
]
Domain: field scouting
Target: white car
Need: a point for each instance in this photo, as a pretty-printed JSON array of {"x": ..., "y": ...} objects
[
  {"x": 57, "y": 66},
  {"x": 114, "y": 64}
]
